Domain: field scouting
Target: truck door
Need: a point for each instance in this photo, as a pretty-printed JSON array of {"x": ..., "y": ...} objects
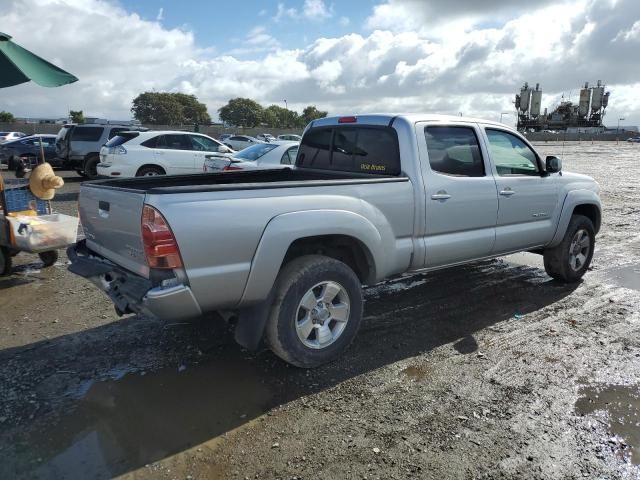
[
  {"x": 461, "y": 196},
  {"x": 528, "y": 200}
]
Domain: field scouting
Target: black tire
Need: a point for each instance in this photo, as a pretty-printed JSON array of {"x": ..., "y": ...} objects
[
  {"x": 48, "y": 258},
  {"x": 294, "y": 281},
  {"x": 5, "y": 261},
  {"x": 149, "y": 171},
  {"x": 558, "y": 260},
  {"x": 91, "y": 167},
  {"x": 81, "y": 173}
]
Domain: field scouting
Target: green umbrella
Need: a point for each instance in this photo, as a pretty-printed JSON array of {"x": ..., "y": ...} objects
[{"x": 18, "y": 65}]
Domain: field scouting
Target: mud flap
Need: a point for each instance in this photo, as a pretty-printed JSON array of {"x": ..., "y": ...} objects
[{"x": 252, "y": 322}]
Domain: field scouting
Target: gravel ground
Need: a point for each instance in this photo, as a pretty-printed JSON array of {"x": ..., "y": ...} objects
[{"x": 491, "y": 370}]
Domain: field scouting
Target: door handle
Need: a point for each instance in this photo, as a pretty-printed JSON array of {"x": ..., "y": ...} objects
[
  {"x": 441, "y": 195},
  {"x": 507, "y": 192}
]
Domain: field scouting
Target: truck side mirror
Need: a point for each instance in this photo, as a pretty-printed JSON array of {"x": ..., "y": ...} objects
[{"x": 553, "y": 164}]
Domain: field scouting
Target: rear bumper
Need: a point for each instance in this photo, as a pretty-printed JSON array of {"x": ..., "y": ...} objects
[{"x": 132, "y": 293}]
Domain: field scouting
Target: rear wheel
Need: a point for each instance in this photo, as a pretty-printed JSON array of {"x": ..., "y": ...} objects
[
  {"x": 316, "y": 312},
  {"x": 49, "y": 258},
  {"x": 5, "y": 261},
  {"x": 569, "y": 260},
  {"x": 81, "y": 173},
  {"x": 150, "y": 171},
  {"x": 91, "y": 167}
]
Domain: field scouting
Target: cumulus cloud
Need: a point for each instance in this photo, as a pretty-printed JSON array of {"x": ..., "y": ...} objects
[{"x": 474, "y": 70}]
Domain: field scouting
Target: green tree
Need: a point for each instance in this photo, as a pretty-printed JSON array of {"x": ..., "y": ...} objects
[
  {"x": 165, "y": 108},
  {"x": 192, "y": 110},
  {"x": 309, "y": 114},
  {"x": 76, "y": 116},
  {"x": 7, "y": 117},
  {"x": 277, "y": 117},
  {"x": 241, "y": 112}
]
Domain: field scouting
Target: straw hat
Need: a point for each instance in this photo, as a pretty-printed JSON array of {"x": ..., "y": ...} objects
[{"x": 43, "y": 181}]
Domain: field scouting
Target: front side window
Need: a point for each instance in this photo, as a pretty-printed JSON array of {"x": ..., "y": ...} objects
[
  {"x": 203, "y": 144},
  {"x": 511, "y": 155},
  {"x": 454, "y": 151},
  {"x": 351, "y": 148},
  {"x": 87, "y": 134},
  {"x": 254, "y": 152}
]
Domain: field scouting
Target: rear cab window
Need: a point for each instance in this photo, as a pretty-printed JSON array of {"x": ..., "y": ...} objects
[
  {"x": 359, "y": 149},
  {"x": 454, "y": 150}
]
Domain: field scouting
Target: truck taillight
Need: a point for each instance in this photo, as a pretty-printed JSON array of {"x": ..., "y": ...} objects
[{"x": 160, "y": 246}]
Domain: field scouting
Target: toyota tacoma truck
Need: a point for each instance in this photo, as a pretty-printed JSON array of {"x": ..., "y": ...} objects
[{"x": 370, "y": 196}]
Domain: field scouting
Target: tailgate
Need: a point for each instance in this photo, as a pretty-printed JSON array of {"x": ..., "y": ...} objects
[{"x": 111, "y": 223}]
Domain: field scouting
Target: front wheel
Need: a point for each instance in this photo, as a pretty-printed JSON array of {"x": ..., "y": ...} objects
[
  {"x": 5, "y": 261},
  {"x": 48, "y": 258},
  {"x": 569, "y": 260},
  {"x": 316, "y": 312}
]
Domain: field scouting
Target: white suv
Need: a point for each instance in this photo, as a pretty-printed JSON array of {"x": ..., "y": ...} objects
[{"x": 137, "y": 154}]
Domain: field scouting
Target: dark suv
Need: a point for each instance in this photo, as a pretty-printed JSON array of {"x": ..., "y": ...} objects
[{"x": 78, "y": 146}]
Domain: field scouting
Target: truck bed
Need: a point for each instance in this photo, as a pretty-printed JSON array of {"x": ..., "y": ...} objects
[{"x": 246, "y": 180}]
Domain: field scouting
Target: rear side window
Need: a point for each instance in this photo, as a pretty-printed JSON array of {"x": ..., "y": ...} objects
[
  {"x": 87, "y": 134},
  {"x": 352, "y": 149},
  {"x": 454, "y": 151},
  {"x": 123, "y": 137}
]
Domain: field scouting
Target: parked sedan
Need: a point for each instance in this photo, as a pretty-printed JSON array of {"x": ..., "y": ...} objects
[
  {"x": 265, "y": 137},
  {"x": 12, "y": 150},
  {"x": 8, "y": 136},
  {"x": 238, "y": 142},
  {"x": 137, "y": 154},
  {"x": 289, "y": 137},
  {"x": 260, "y": 156},
  {"x": 634, "y": 140}
]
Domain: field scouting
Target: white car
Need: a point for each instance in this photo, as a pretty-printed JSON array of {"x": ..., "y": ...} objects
[
  {"x": 137, "y": 154},
  {"x": 238, "y": 142},
  {"x": 261, "y": 156},
  {"x": 289, "y": 137},
  {"x": 265, "y": 137},
  {"x": 9, "y": 136}
]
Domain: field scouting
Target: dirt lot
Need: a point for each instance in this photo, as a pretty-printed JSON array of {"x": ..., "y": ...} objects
[{"x": 487, "y": 371}]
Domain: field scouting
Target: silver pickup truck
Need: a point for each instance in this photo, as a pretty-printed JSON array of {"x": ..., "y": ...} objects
[{"x": 370, "y": 196}]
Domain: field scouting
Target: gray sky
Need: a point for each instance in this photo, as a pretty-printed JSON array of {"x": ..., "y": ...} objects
[{"x": 467, "y": 56}]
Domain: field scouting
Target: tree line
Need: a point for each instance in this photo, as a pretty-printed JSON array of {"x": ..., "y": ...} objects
[{"x": 165, "y": 108}]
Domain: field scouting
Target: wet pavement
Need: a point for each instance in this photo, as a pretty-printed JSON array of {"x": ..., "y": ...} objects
[{"x": 491, "y": 370}]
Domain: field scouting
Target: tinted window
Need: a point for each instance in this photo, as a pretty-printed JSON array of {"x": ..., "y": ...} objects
[
  {"x": 511, "y": 155},
  {"x": 173, "y": 142},
  {"x": 289, "y": 157},
  {"x": 29, "y": 141},
  {"x": 124, "y": 137},
  {"x": 86, "y": 134},
  {"x": 350, "y": 148},
  {"x": 203, "y": 144},
  {"x": 454, "y": 151},
  {"x": 115, "y": 131},
  {"x": 254, "y": 152},
  {"x": 238, "y": 139}
]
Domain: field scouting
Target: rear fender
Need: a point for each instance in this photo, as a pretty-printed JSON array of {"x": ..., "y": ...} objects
[{"x": 284, "y": 229}]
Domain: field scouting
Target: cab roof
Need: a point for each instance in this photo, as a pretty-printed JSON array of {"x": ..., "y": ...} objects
[{"x": 386, "y": 118}]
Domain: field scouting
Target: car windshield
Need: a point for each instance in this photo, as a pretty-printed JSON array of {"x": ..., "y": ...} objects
[{"x": 251, "y": 154}]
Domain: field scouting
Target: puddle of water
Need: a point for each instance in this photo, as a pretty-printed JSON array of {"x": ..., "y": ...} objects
[
  {"x": 627, "y": 277},
  {"x": 621, "y": 404},
  {"x": 527, "y": 259},
  {"x": 415, "y": 372},
  {"x": 121, "y": 425}
]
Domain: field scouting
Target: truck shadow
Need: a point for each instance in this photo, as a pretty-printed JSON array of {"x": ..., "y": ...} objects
[{"x": 116, "y": 411}]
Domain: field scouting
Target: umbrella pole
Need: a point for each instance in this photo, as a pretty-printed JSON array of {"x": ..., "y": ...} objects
[{"x": 41, "y": 150}]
